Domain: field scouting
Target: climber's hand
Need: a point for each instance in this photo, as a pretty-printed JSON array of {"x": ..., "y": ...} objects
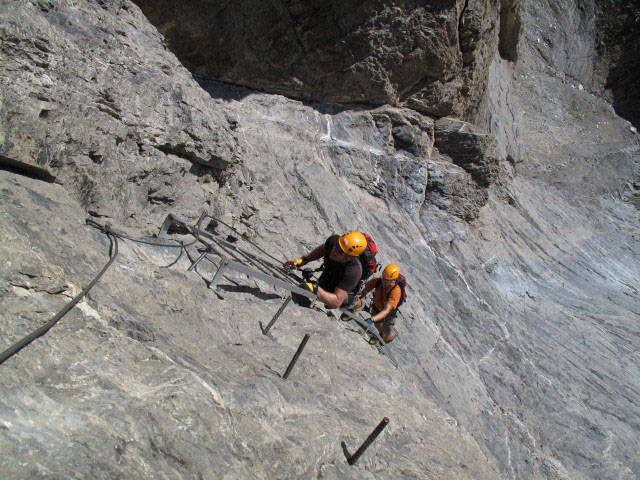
[
  {"x": 297, "y": 263},
  {"x": 312, "y": 286},
  {"x": 303, "y": 300}
]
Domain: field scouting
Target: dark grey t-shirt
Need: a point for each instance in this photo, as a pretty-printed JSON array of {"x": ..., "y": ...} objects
[{"x": 339, "y": 275}]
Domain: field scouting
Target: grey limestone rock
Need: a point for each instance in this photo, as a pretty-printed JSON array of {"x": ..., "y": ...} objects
[
  {"x": 475, "y": 151},
  {"x": 87, "y": 94},
  {"x": 432, "y": 58},
  {"x": 453, "y": 190},
  {"x": 518, "y": 344}
]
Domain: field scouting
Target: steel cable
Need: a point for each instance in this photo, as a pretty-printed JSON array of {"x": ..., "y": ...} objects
[
  {"x": 16, "y": 347},
  {"x": 141, "y": 240},
  {"x": 245, "y": 238}
]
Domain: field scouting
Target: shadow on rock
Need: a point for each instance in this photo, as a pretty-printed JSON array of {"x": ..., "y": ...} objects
[{"x": 256, "y": 292}]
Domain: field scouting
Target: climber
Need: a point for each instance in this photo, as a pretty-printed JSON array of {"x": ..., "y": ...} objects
[
  {"x": 386, "y": 300},
  {"x": 341, "y": 272}
]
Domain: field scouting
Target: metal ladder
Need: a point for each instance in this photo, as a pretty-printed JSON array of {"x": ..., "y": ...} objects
[{"x": 215, "y": 243}]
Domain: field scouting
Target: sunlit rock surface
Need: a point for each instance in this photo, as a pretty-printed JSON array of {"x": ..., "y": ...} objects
[{"x": 517, "y": 347}]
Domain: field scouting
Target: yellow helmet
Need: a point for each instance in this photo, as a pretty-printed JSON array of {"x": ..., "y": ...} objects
[
  {"x": 391, "y": 272},
  {"x": 352, "y": 243}
]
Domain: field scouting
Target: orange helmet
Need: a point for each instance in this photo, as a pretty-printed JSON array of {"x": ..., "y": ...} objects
[
  {"x": 352, "y": 243},
  {"x": 391, "y": 272}
]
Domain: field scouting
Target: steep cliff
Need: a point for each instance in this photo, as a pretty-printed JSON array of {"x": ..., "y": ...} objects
[
  {"x": 433, "y": 58},
  {"x": 475, "y": 141}
]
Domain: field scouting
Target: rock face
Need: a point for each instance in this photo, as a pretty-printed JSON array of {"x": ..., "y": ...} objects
[
  {"x": 593, "y": 44},
  {"x": 517, "y": 231},
  {"x": 433, "y": 59},
  {"x": 618, "y": 45},
  {"x": 77, "y": 125}
]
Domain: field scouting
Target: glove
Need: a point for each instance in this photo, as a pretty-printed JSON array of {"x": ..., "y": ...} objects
[
  {"x": 301, "y": 300},
  {"x": 298, "y": 262},
  {"x": 312, "y": 286}
]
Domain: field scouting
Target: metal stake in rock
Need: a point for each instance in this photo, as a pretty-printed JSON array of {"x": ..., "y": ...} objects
[
  {"x": 295, "y": 357},
  {"x": 354, "y": 458},
  {"x": 266, "y": 329}
]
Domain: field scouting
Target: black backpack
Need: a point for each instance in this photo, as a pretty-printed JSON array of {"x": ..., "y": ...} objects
[{"x": 401, "y": 282}]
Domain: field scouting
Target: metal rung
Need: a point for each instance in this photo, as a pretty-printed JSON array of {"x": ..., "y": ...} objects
[
  {"x": 164, "y": 229},
  {"x": 199, "y": 259},
  {"x": 213, "y": 284},
  {"x": 239, "y": 267},
  {"x": 382, "y": 345},
  {"x": 173, "y": 220}
]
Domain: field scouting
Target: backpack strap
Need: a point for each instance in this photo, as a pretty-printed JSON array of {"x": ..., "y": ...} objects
[{"x": 399, "y": 301}]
